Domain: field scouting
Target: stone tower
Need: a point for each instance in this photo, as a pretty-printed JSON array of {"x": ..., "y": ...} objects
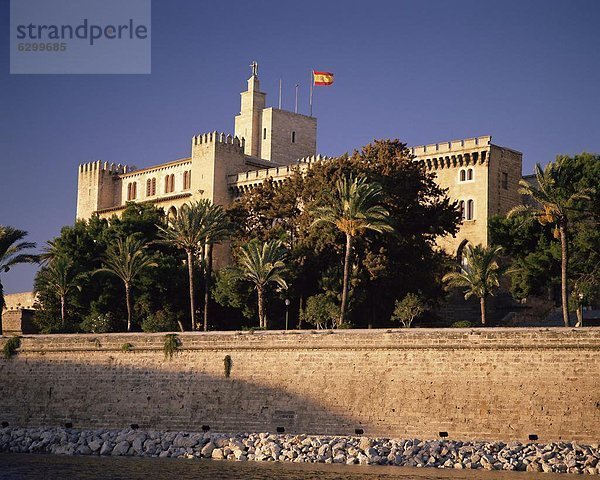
[
  {"x": 270, "y": 133},
  {"x": 248, "y": 122},
  {"x": 98, "y": 186}
]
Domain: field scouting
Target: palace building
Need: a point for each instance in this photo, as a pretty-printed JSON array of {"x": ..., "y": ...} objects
[{"x": 269, "y": 143}]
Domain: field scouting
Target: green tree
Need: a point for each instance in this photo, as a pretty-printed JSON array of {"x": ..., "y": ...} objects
[
  {"x": 84, "y": 243},
  {"x": 262, "y": 264},
  {"x": 217, "y": 229},
  {"x": 61, "y": 277},
  {"x": 554, "y": 195},
  {"x": 187, "y": 231},
  {"x": 354, "y": 208},
  {"x": 480, "y": 276},
  {"x": 533, "y": 253},
  {"x": 127, "y": 259},
  {"x": 409, "y": 308},
  {"x": 12, "y": 248},
  {"x": 320, "y": 311},
  {"x": 390, "y": 266}
]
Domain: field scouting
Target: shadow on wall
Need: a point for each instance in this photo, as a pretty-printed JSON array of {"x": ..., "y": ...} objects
[
  {"x": 119, "y": 390},
  {"x": 492, "y": 384}
]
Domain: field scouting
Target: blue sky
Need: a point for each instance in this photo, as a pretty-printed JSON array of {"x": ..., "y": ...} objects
[{"x": 526, "y": 72}]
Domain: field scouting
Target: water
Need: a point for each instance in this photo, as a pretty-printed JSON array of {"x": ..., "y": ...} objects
[{"x": 14, "y": 466}]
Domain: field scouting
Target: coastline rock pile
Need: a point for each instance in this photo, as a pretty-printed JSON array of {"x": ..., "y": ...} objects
[{"x": 563, "y": 457}]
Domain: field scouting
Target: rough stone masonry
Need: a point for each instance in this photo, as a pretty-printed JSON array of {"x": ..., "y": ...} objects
[{"x": 467, "y": 384}]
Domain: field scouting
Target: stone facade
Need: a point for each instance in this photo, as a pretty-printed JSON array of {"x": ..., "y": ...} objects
[
  {"x": 477, "y": 171},
  {"x": 268, "y": 143},
  {"x": 492, "y": 384}
]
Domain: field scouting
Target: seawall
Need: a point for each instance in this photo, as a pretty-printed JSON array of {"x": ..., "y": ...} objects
[{"x": 490, "y": 384}]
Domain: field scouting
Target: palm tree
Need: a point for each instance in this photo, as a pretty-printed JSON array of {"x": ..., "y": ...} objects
[
  {"x": 127, "y": 259},
  {"x": 186, "y": 231},
  {"x": 12, "y": 247},
  {"x": 480, "y": 276},
  {"x": 355, "y": 208},
  {"x": 49, "y": 252},
  {"x": 553, "y": 197},
  {"x": 61, "y": 277},
  {"x": 262, "y": 264},
  {"x": 217, "y": 229}
]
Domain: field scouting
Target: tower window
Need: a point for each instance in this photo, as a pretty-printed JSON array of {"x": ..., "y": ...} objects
[
  {"x": 470, "y": 210},
  {"x": 461, "y": 209},
  {"x": 293, "y": 137},
  {"x": 470, "y": 174},
  {"x": 505, "y": 180},
  {"x": 264, "y": 133},
  {"x": 462, "y": 175}
]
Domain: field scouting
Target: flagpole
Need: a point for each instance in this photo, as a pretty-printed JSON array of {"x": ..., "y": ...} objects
[
  {"x": 312, "y": 81},
  {"x": 279, "y": 93},
  {"x": 296, "y": 102}
]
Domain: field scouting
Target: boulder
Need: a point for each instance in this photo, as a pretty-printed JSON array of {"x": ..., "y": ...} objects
[
  {"x": 207, "y": 450},
  {"x": 120, "y": 448}
]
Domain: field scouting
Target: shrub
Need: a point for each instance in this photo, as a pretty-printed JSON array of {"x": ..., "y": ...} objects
[
  {"x": 227, "y": 363},
  {"x": 320, "y": 311},
  {"x": 171, "y": 345},
  {"x": 97, "y": 322},
  {"x": 11, "y": 346},
  {"x": 126, "y": 347},
  {"x": 462, "y": 324},
  {"x": 161, "y": 321},
  {"x": 409, "y": 308}
]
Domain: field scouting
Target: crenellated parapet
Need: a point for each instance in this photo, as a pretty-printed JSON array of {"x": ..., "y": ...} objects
[
  {"x": 453, "y": 154},
  {"x": 104, "y": 167},
  {"x": 218, "y": 137},
  {"x": 243, "y": 182}
]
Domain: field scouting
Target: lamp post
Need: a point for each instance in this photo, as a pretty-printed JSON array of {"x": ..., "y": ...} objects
[{"x": 287, "y": 312}]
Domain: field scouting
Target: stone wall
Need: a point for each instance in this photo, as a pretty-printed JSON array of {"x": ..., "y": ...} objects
[{"x": 472, "y": 383}]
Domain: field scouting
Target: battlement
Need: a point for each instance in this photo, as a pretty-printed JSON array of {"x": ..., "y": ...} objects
[
  {"x": 243, "y": 181},
  {"x": 453, "y": 146},
  {"x": 312, "y": 159},
  {"x": 218, "y": 137},
  {"x": 104, "y": 167}
]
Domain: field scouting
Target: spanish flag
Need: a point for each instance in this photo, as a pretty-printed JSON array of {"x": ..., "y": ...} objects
[{"x": 322, "y": 78}]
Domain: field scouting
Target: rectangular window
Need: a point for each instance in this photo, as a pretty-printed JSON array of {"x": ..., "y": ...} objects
[{"x": 505, "y": 180}]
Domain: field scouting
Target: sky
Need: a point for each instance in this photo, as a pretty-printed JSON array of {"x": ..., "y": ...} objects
[{"x": 525, "y": 72}]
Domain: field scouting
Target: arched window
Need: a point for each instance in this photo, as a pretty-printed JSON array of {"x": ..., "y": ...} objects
[
  {"x": 169, "y": 183},
  {"x": 462, "y": 175},
  {"x": 470, "y": 210},
  {"x": 171, "y": 214},
  {"x": 187, "y": 180},
  {"x": 460, "y": 254},
  {"x": 461, "y": 209},
  {"x": 470, "y": 174},
  {"x": 131, "y": 191},
  {"x": 293, "y": 137},
  {"x": 150, "y": 187}
]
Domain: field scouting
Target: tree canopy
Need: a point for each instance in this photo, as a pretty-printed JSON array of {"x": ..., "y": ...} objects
[{"x": 390, "y": 265}]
